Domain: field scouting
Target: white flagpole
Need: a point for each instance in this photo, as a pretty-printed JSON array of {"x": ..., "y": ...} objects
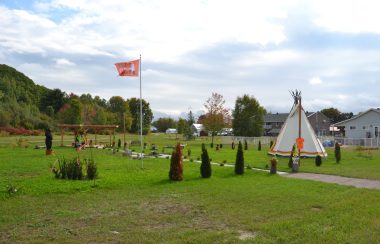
[{"x": 141, "y": 122}]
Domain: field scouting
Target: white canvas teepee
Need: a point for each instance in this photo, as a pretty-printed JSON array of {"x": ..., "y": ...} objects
[{"x": 297, "y": 125}]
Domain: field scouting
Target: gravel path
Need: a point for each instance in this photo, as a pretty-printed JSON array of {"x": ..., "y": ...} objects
[{"x": 359, "y": 183}]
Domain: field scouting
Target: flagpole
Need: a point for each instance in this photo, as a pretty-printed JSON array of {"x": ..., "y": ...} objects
[{"x": 141, "y": 122}]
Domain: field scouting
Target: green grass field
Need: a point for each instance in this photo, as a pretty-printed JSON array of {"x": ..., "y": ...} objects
[{"x": 134, "y": 205}]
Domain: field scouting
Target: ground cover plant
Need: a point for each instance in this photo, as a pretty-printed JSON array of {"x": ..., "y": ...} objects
[{"x": 130, "y": 204}]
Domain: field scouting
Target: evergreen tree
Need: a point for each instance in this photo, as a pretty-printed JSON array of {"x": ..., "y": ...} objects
[
  {"x": 239, "y": 164},
  {"x": 259, "y": 147},
  {"x": 337, "y": 153},
  {"x": 205, "y": 166},
  {"x": 290, "y": 162},
  {"x": 318, "y": 161},
  {"x": 176, "y": 164},
  {"x": 233, "y": 145},
  {"x": 245, "y": 145}
]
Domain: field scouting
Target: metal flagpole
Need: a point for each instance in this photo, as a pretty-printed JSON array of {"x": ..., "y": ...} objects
[{"x": 141, "y": 121}]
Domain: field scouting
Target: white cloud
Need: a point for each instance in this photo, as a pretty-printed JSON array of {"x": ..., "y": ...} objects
[
  {"x": 63, "y": 62},
  {"x": 348, "y": 16},
  {"x": 315, "y": 81}
]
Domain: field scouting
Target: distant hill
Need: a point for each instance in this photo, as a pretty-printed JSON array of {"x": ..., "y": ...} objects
[{"x": 20, "y": 100}]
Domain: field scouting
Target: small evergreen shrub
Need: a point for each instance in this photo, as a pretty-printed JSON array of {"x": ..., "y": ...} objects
[
  {"x": 189, "y": 152},
  {"x": 205, "y": 165},
  {"x": 239, "y": 163},
  {"x": 337, "y": 153},
  {"x": 259, "y": 147},
  {"x": 119, "y": 143},
  {"x": 233, "y": 145},
  {"x": 271, "y": 144},
  {"x": 290, "y": 162},
  {"x": 220, "y": 146},
  {"x": 245, "y": 145},
  {"x": 212, "y": 145},
  {"x": 176, "y": 165},
  {"x": 318, "y": 161}
]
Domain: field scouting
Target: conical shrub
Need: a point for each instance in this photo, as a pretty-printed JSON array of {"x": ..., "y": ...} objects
[
  {"x": 337, "y": 153},
  {"x": 245, "y": 145},
  {"x": 259, "y": 147},
  {"x": 318, "y": 161},
  {"x": 290, "y": 162},
  {"x": 205, "y": 165},
  {"x": 239, "y": 164},
  {"x": 176, "y": 165}
]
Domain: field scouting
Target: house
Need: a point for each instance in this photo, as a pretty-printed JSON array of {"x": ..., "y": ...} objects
[
  {"x": 198, "y": 130},
  {"x": 274, "y": 122},
  {"x": 320, "y": 123},
  {"x": 363, "y": 125}
]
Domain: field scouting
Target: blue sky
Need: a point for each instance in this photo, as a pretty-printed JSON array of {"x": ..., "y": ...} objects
[{"x": 328, "y": 49}]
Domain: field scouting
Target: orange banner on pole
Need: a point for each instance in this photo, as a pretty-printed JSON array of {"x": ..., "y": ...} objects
[
  {"x": 300, "y": 142},
  {"x": 130, "y": 68}
]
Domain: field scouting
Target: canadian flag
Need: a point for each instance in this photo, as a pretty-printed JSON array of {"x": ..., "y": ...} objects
[{"x": 130, "y": 68}]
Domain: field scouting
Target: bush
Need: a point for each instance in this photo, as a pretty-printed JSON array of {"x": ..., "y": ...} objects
[
  {"x": 239, "y": 164},
  {"x": 176, "y": 165},
  {"x": 259, "y": 147},
  {"x": 212, "y": 145},
  {"x": 73, "y": 169},
  {"x": 337, "y": 153},
  {"x": 245, "y": 145},
  {"x": 118, "y": 143},
  {"x": 189, "y": 152},
  {"x": 205, "y": 165},
  {"x": 271, "y": 144},
  {"x": 233, "y": 145},
  {"x": 91, "y": 169},
  {"x": 220, "y": 146},
  {"x": 318, "y": 161}
]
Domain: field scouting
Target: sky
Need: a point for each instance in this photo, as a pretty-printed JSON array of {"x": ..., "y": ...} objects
[{"x": 330, "y": 50}]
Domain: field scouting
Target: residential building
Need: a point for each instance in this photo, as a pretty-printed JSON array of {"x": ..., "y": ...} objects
[
  {"x": 363, "y": 125},
  {"x": 274, "y": 122}
]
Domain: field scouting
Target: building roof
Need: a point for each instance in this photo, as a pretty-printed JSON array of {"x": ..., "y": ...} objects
[
  {"x": 342, "y": 123},
  {"x": 278, "y": 117}
]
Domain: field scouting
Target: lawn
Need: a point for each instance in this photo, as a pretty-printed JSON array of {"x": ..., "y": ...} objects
[{"x": 130, "y": 204}]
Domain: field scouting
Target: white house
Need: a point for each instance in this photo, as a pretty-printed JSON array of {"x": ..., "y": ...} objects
[
  {"x": 198, "y": 130},
  {"x": 363, "y": 125},
  {"x": 171, "y": 131}
]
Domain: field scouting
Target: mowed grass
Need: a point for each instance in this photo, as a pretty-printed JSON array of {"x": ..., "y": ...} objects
[{"x": 134, "y": 205}]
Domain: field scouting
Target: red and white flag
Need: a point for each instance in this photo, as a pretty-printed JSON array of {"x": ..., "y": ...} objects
[{"x": 130, "y": 68}]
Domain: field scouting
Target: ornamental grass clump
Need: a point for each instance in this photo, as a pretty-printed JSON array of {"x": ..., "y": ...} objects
[
  {"x": 239, "y": 163},
  {"x": 205, "y": 165},
  {"x": 73, "y": 169},
  {"x": 176, "y": 165}
]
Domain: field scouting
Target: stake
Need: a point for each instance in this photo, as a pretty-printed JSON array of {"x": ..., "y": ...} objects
[{"x": 141, "y": 122}]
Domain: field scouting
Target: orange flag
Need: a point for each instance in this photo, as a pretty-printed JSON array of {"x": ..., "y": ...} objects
[{"x": 130, "y": 68}]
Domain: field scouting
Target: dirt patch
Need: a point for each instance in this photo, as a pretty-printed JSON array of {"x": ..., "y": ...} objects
[{"x": 247, "y": 235}]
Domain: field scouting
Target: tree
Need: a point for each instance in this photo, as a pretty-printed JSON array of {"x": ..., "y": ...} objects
[
  {"x": 188, "y": 133},
  {"x": 318, "y": 161},
  {"x": 335, "y": 115},
  {"x": 217, "y": 117},
  {"x": 176, "y": 165},
  {"x": 259, "y": 146},
  {"x": 162, "y": 124},
  {"x": 248, "y": 117},
  {"x": 239, "y": 163},
  {"x": 72, "y": 114},
  {"x": 181, "y": 125},
  {"x": 205, "y": 166},
  {"x": 134, "y": 108},
  {"x": 54, "y": 98}
]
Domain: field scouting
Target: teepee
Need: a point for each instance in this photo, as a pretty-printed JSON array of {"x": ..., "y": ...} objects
[{"x": 297, "y": 131}]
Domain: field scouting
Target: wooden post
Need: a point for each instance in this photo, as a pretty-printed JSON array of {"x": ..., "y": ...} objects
[{"x": 299, "y": 127}]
